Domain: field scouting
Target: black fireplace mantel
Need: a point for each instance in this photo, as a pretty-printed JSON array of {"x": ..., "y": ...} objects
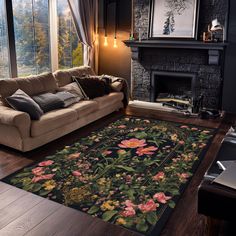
[{"x": 213, "y": 48}]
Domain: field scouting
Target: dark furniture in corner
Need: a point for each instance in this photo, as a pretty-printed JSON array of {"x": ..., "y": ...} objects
[{"x": 215, "y": 201}]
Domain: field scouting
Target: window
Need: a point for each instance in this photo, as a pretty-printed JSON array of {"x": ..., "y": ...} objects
[
  {"x": 32, "y": 37},
  {"x": 4, "y": 56},
  {"x": 69, "y": 49},
  {"x": 31, "y": 26}
]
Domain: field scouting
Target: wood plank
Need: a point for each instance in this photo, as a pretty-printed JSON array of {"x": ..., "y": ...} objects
[
  {"x": 4, "y": 187},
  {"x": 31, "y": 218},
  {"x": 10, "y": 196},
  {"x": 17, "y": 208},
  {"x": 54, "y": 222}
]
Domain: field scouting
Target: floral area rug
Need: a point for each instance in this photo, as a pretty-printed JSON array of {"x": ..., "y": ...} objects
[{"x": 130, "y": 173}]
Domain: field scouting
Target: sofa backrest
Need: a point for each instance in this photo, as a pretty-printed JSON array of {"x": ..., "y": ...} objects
[
  {"x": 63, "y": 77},
  {"x": 31, "y": 85}
]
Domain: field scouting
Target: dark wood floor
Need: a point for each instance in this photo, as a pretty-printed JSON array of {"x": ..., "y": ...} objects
[{"x": 23, "y": 213}]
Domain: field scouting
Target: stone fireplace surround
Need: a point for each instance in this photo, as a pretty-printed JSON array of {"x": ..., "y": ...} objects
[{"x": 205, "y": 63}]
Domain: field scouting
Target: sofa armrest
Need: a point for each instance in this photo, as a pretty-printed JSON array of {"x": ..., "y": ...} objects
[{"x": 20, "y": 120}]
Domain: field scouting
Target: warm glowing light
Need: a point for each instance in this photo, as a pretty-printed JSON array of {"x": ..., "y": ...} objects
[
  {"x": 105, "y": 41},
  {"x": 115, "y": 43},
  {"x": 96, "y": 39}
]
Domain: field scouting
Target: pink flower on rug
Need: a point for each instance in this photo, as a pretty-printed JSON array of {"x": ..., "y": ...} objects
[
  {"x": 159, "y": 176},
  {"x": 42, "y": 177},
  {"x": 194, "y": 129},
  {"x": 129, "y": 211},
  {"x": 38, "y": 171},
  {"x": 183, "y": 177},
  {"x": 161, "y": 197},
  {"x": 106, "y": 152},
  {"x": 76, "y": 173},
  {"x": 74, "y": 156},
  {"x": 133, "y": 143},
  {"x": 129, "y": 203},
  {"x": 121, "y": 126},
  {"x": 206, "y": 131},
  {"x": 184, "y": 127},
  {"x": 146, "y": 151},
  {"x": 150, "y": 205},
  {"x": 181, "y": 142},
  {"x": 46, "y": 163}
]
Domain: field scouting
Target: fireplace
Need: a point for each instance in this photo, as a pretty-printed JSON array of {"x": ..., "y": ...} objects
[{"x": 174, "y": 89}]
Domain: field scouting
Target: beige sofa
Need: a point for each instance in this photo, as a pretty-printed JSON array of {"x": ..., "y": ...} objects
[{"x": 18, "y": 131}]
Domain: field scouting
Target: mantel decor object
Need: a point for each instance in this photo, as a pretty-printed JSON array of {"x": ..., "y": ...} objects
[{"x": 174, "y": 19}]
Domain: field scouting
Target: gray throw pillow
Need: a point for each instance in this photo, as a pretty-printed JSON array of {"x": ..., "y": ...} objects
[
  {"x": 72, "y": 88},
  {"x": 48, "y": 101},
  {"x": 21, "y": 101},
  {"x": 68, "y": 98}
]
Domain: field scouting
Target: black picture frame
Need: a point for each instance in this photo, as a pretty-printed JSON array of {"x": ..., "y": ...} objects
[{"x": 162, "y": 24}]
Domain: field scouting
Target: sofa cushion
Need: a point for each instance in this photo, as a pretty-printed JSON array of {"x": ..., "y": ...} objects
[
  {"x": 31, "y": 85},
  {"x": 53, "y": 120},
  {"x": 20, "y": 101},
  {"x": 64, "y": 77},
  {"x": 109, "y": 99},
  {"x": 48, "y": 101},
  {"x": 84, "y": 108}
]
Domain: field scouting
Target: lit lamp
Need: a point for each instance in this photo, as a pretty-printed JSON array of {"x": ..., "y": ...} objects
[
  {"x": 105, "y": 41},
  {"x": 115, "y": 43}
]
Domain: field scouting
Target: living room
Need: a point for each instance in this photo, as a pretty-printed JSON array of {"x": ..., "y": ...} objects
[{"x": 117, "y": 117}]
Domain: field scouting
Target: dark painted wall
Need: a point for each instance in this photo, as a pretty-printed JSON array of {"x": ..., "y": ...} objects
[
  {"x": 229, "y": 87},
  {"x": 115, "y": 61}
]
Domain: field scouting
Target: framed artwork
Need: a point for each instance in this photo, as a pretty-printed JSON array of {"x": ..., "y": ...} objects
[{"x": 174, "y": 19}]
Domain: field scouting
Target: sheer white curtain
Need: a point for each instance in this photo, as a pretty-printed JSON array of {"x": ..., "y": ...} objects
[{"x": 84, "y": 14}]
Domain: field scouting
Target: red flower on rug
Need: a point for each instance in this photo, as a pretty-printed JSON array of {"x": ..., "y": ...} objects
[
  {"x": 133, "y": 143},
  {"x": 146, "y": 151},
  {"x": 161, "y": 197},
  {"x": 38, "y": 171},
  {"x": 159, "y": 176},
  {"x": 150, "y": 205},
  {"x": 46, "y": 163},
  {"x": 129, "y": 211},
  {"x": 42, "y": 177}
]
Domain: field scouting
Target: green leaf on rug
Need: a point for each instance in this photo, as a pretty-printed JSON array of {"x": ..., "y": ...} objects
[
  {"x": 142, "y": 226},
  {"x": 151, "y": 218},
  {"x": 44, "y": 192},
  {"x": 108, "y": 215},
  {"x": 93, "y": 210},
  {"x": 127, "y": 168},
  {"x": 23, "y": 175},
  {"x": 171, "y": 204},
  {"x": 139, "y": 135},
  {"x": 36, "y": 187}
]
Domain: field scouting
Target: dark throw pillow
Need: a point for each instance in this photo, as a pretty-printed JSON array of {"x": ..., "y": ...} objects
[
  {"x": 68, "y": 98},
  {"x": 93, "y": 86},
  {"x": 48, "y": 101},
  {"x": 23, "y": 102}
]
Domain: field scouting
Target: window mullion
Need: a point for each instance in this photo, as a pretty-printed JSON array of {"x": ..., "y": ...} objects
[
  {"x": 11, "y": 38},
  {"x": 53, "y": 34}
]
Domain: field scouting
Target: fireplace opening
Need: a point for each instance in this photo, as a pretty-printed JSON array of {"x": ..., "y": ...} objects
[{"x": 174, "y": 89}]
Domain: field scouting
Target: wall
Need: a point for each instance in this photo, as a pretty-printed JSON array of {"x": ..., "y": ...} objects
[
  {"x": 229, "y": 88},
  {"x": 115, "y": 61}
]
